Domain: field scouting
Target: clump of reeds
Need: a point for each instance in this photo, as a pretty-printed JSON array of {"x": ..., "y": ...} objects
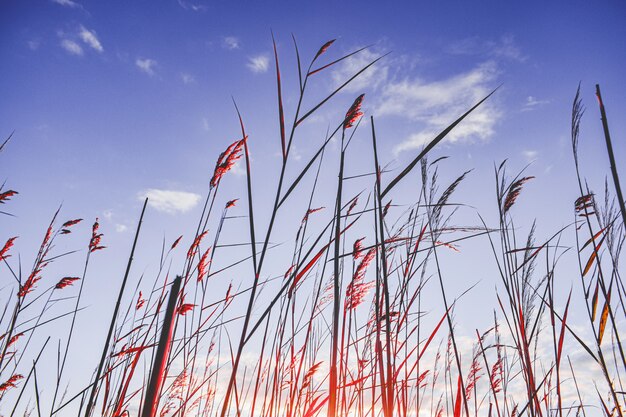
[{"x": 334, "y": 324}]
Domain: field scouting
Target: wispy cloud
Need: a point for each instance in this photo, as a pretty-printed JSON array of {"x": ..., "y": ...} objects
[
  {"x": 436, "y": 104},
  {"x": 121, "y": 228},
  {"x": 67, "y": 3},
  {"x": 532, "y": 103},
  {"x": 503, "y": 48},
  {"x": 530, "y": 155},
  {"x": 170, "y": 201},
  {"x": 146, "y": 65},
  {"x": 33, "y": 44},
  {"x": 108, "y": 214},
  {"x": 187, "y": 78},
  {"x": 230, "y": 42},
  {"x": 259, "y": 63},
  {"x": 71, "y": 47},
  {"x": 507, "y": 48},
  {"x": 90, "y": 38},
  {"x": 194, "y": 6}
]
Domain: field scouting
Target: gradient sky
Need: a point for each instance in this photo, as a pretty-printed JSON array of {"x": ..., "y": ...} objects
[{"x": 113, "y": 100}]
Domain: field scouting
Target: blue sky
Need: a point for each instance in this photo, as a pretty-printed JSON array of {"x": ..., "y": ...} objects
[{"x": 111, "y": 101}]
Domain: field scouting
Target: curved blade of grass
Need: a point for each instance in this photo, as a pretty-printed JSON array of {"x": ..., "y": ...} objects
[
  {"x": 315, "y": 71},
  {"x": 604, "y": 317},
  {"x": 593, "y": 257},
  {"x": 281, "y": 113},
  {"x": 6, "y": 141},
  {"x": 609, "y": 148}
]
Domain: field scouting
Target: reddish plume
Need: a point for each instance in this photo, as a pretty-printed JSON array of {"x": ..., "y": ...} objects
[
  {"x": 357, "y": 289},
  {"x": 513, "y": 193},
  {"x": 140, "y": 301},
  {"x": 6, "y": 196},
  {"x": 8, "y": 245},
  {"x": 309, "y": 212},
  {"x": 29, "y": 284},
  {"x": 357, "y": 249},
  {"x": 11, "y": 382},
  {"x": 353, "y": 204},
  {"x": 193, "y": 249},
  {"x": 354, "y": 113},
  {"x": 65, "y": 282},
  {"x": 185, "y": 308},
  {"x": 324, "y": 48},
  {"x": 203, "y": 264},
  {"x": 14, "y": 339},
  {"x": 71, "y": 223},
  {"x": 176, "y": 242},
  {"x": 226, "y": 161},
  {"x": 94, "y": 243}
]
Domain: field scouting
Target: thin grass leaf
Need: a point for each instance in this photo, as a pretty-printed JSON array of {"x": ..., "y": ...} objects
[
  {"x": 281, "y": 113},
  {"x": 322, "y": 50},
  {"x": 338, "y": 89},
  {"x": 604, "y": 317},
  {"x": 593, "y": 257}
]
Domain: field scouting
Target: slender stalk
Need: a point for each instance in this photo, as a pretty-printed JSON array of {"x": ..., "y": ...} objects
[
  {"x": 609, "y": 149},
  {"x": 105, "y": 349},
  {"x": 334, "y": 352}
]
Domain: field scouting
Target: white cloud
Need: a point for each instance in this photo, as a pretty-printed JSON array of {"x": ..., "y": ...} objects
[
  {"x": 90, "y": 38},
  {"x": 230, "y": 42},
  {"x": 121, "y": 228},
  {"x": 436, "y": 104},
  {"x": 67, "y": 3},
  {"x": 205, "y": 124},
  {"x": 108, "y": 214},
  {"x": 170, "y": 201},
  {"x": 504, "y": 48},
  {"x": 71, "y": 47},
  {"x": 33, "y": 44},
  {"x": 530, "y": 155},
  {"x": 532, "y": 103},
  {"x": 259, "y": 63},
  {"x": 187, "y": 78},
  {"x": 507, "y": 48},
  {"x": 146, "y": 65},
  {"x": 193, "y": 6}
]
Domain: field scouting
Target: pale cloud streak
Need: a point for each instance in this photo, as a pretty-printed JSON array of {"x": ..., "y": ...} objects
[
  {"x": 187, "y": 78},
  {"x": 90, "y": 38},
  {"x": 530, "y": 155},
  {"x": 258, "y": 64},
  {"x": 71, "y": 47},
  {"x": 503, "y": 48},
  {"x": 194, "y": 6},
  {"x": 532, "y": 103},
  {"x": 146, "y": 65},
  {"x": 67, "y": 3},
  {"x": 170, "y": 201},
  {"x": 230, "y": 42},
  {"x": 33, "y": 44}
]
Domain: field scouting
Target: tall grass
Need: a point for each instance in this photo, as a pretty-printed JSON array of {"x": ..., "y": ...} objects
[{"x": 335, "y": 324}]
